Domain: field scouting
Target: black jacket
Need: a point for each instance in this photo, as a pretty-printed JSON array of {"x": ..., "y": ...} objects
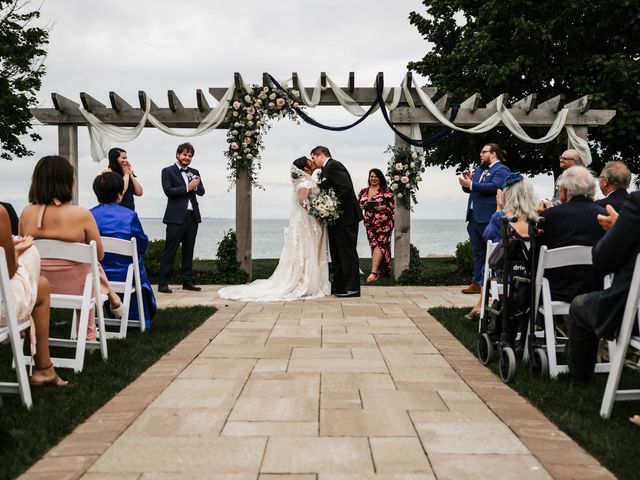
[
  {"x": 615, "y": 199},
  {"x": 177, "y": 196},
  {"x": 335, "y": 175}
]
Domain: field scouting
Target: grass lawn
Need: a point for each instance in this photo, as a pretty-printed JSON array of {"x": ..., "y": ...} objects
[
  {"x": 574, "y": 407},
  {"x": 25, "y": 435}
]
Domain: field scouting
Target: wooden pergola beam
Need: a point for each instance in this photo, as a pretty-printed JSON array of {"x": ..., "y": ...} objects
[
  {"x": 174, "y": 101},
  {"x": 118, "y": 103},
  {"x": 142, "y": 100},
  {"x": 527, "y": 103},
  {"x": 63, "y": 104},
  {"x": 201, "y": 100},
  {"x": 582, "y": 104},
  {"x": 89, "y": 103},
  {"x": 554, "y": 104}
]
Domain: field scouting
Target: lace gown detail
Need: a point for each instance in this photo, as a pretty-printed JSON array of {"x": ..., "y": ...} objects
[{"x": 302, "y": 270}]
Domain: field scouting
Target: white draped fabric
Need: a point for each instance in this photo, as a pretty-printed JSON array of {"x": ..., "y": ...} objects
[{"x": 102, "y": 135}]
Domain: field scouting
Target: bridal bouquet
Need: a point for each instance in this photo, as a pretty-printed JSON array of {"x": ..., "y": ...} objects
[{"x": 325, "y": 207}]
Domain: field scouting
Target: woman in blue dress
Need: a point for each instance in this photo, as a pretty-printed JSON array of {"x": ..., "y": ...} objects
[{"x": 117, "y": 221}]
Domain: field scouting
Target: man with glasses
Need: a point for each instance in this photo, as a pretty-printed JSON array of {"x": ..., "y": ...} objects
[
  {"x": 569, "y": 158},
  {"x": 482, "y": 186},
  {"x": 613, "y": 182}
]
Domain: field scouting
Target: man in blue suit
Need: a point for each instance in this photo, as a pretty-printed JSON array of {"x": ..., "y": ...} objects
[
  {"x": 181, "y": 185},
  {"x": 482, "y": 186}
]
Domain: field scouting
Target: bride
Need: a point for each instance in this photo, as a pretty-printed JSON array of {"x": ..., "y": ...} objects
[{"x": 302, "y": 271}]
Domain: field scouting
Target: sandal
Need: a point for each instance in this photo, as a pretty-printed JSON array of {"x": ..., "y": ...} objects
[
  {"x": 373, "y": 276},
  {"x": 54, "y": 381}
]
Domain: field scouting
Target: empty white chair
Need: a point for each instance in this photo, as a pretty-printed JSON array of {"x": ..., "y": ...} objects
[
  {"x": 548, "y": 259},
  {"x": 12, "y": 332},
  {"x": 90, "y": 298},
  {"x": 132, "y": 285},
  {"x": 625, "y": 338}
]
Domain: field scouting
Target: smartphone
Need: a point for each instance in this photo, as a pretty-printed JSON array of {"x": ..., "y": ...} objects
[{"x": 370, "y": 205}]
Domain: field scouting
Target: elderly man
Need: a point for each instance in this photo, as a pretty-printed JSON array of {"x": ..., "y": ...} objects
[
  {"x": 569, "y": 158},
  {"x": 573, "y": 222},
  {"x": 613, "y": 182},
  {"x": 599, "y": 314},
  {"x": 482, "y": 187}
]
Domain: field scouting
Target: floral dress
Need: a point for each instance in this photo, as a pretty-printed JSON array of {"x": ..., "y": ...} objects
[{"x": 379, "y": 225}]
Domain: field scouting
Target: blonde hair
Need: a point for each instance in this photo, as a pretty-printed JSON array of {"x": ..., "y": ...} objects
[{"x": 520, "y": 199}]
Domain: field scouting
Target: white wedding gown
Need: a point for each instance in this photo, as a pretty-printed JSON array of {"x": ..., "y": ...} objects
[{"x": 302, "y": 271}]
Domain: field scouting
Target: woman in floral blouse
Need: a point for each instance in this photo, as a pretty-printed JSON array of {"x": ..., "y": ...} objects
[{"x": 377, "y": 201}]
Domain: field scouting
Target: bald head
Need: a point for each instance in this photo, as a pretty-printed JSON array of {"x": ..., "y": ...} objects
[{"x": 570, "y": 158}]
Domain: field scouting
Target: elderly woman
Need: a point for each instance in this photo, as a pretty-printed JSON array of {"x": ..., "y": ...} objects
[
  {"x": 378, "y": 204},
  {"x": 30, "y": 292},
  {"x": 51, "y": 216},
  {"x": 116, "y": 221},
  {"x": 119, "y": 163},
  {"x": 516, "y": 199}
]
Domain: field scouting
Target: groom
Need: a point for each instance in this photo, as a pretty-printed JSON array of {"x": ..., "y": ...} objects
[{"x": 343, "y": 235}]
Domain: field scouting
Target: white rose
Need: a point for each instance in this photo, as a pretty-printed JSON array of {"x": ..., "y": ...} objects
[
  {"x": 249, "y": 156},
  {"x": 394, "y": 186},
  {"x": 418, "y": 178},
  {"x": 412, "y": 164},
  {"x": 272, "y": 96},
  {"x": 247, "y": 98},
  {"x": 396, "y": 178},
  {"x": 235, "y": 114},
  {"x": 399, "y": 195},
  {"x": 399, "y": 166},
  {"x": 414, "y": 155},
  {"x": 249, "y": 117}
]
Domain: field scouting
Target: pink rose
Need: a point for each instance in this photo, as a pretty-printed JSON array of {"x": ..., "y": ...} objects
[
  {"x": 404, "y": 179},
  {"x": 280, "y": 102},
  {"x": 271, "y": 105},
  {"x": 398, "y": 166},
  {"x": 234, "y": 146},
  {"x": 236, "y": 105}
]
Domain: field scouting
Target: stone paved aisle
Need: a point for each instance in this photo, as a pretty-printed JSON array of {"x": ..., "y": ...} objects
[{"x": 368, "y": 388}]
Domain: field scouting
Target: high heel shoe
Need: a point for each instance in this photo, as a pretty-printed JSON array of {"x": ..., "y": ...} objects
[
  {"x": 472, "y": 315},
  {"x": 373, "y": 276}
]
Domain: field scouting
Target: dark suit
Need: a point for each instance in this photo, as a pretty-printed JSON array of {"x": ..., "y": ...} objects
[
  {"x": 182, "y": 224},
  {"x": 480, "y": 206},
  {"x": 615, "y": 199},
  {"x": 572, "y": 223},
  {"x": 343, "y": 235},
  {"x": 599, "y": 314}
]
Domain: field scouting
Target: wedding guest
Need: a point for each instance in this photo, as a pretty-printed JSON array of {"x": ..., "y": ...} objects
[
  {"x": 377, "y": 201},
  {"x": 482, "y": 186},
  {"x": 51, "y": 216},
  {"x": 119, "y": 163},
  {"x": 116, "y": 221},
  {"x": 182, "y": 185},
  {"x": 13, "y": 217},
  {"x": 613, "y": 181},
  {"x": 30, "y": 292},
  {"x": 569, "y": 158},
  {"x": 516, "y": 199}
]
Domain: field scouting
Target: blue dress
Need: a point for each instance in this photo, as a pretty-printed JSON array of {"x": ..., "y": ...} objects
[{"x": 120, "y": 222}]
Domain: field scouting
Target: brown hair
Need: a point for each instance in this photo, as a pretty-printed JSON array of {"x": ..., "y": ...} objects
[
  {"x": 320, "y": 150},
  {"x": 494, "y": 147},
  {"x": 52, "y": 178},
  {"x": 185, "y": 147}
]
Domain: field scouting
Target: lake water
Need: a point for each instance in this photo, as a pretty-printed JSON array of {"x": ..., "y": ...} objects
[{"x": 431, "y": 237}]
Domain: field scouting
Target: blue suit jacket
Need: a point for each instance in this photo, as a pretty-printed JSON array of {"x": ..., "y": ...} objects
[
  {"x": 482, "y": 194},
  {"x": 177, "y": 196}
]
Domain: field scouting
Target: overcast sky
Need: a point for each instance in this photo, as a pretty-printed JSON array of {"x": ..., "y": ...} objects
[{"x": 99, "y": 46}]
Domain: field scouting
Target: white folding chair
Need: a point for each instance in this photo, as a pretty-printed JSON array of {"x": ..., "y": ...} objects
[
  {"x": 548, "y": 259},
  {"x": 132, "y": 285},
  {"x": 495, "y": 288},
  {"x": 91, "y": 298},
  {"x": 625, "y": 338},
  {"x": 12, "y": 332}
]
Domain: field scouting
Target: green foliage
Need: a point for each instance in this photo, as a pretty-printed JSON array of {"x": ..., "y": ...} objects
[
  {"x": 154, "y": 255},
  {"x": 22, "y": 59},
  {"x": 543, "y": 47},
  {"x": 572, "y": 406},
  {"x": 414, "y": 273},
  {"x": 227, "y": 267},
  {"x": 464, "y": 257}
]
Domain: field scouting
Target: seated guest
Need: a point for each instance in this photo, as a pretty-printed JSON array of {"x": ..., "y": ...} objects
[
  {"x": 613, "y": 182},
  {"x": 51, "y": 216},
  {"x": 120, "y": 222},
  {"x": 516, "y": 199},
  {"x": 30, "y": 292},
  {"x": 573, "y": 222},
  {"x": 598, "y": 314},
  {"x": 13, "y": 217},
  {"x": 378, "y": 204}
]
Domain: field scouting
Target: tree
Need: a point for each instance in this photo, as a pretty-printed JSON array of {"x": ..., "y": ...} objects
[
  {"x": 21, "y": 69},
  {"x": 547, "y": 47}
]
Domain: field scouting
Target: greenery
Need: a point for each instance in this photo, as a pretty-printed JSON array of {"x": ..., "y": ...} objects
[
  {"x": 26, "y": 434},
  {"x": 248, "y": 119},
  {"x": 153, "y": 256},
  {"x": 573, "y": 406},
  {"x": 227, "y": 267},
  {"x": 403, "y": 170},
  {"x": 415, "y": 271},
  {"x": 22, "y": 52},
  {"x": 536, "y": 46},
  {"x": 464, "y": 257}
]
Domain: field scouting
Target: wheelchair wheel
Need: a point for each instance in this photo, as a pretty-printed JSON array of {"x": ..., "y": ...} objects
[
  {"x": 540, "y": 363},
  {"x": 507, "y": 364},
  {"x": 485, "y": 349}
]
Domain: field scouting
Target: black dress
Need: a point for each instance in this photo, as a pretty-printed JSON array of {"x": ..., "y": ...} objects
[{"x": 127, "y": 200}]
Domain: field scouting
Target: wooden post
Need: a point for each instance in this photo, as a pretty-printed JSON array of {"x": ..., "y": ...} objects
[
  {"x": 68, "y": 148},
  {"x": 243, "y": 220},
  {"x": 402, "y": 229}
]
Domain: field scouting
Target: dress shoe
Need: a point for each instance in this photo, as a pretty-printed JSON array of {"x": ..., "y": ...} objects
[
  {"x": 190, "y": 286},
  {"x": 348, "y": 294},
  {"x": 164, "y": 289},
  {"x": 473, "y": 288}
]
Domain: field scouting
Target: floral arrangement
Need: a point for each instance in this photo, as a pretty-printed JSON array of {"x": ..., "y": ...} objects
[
  {"x": 325, "y": 207},
  {"x": 403, "y": 171},
  {"x": 249, "y": 117}
]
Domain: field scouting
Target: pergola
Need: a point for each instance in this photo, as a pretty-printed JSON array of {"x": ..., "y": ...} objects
[{"x": 66, "y": 115}]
